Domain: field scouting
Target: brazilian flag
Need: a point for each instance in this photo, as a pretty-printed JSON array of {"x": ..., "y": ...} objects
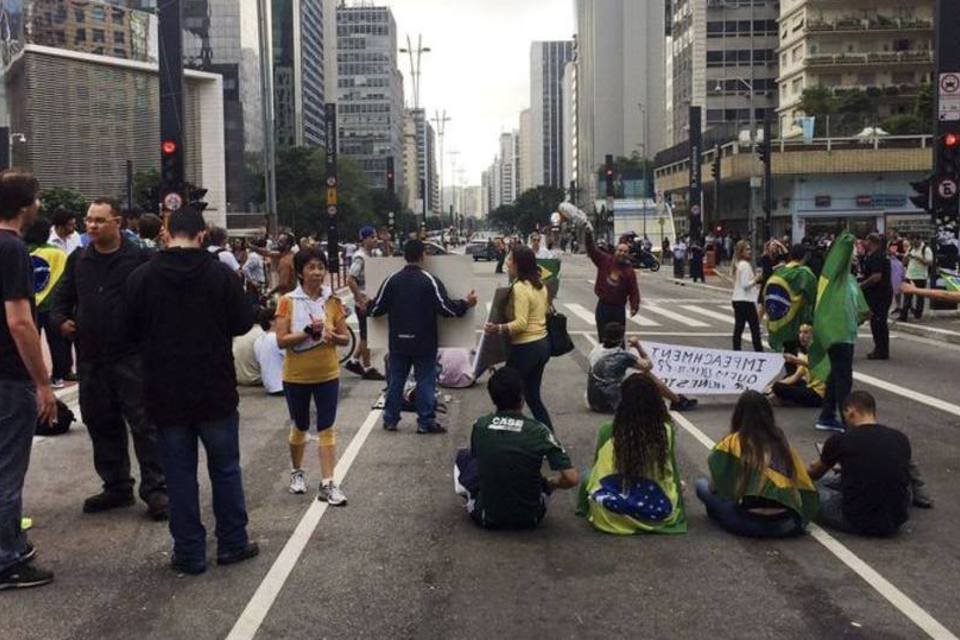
[
  {"x": 49, "y": 263},
  {"x": 550, "y": 275},
  {"x": 788, "y": 300},
  {"x": 840, "y": 308}
]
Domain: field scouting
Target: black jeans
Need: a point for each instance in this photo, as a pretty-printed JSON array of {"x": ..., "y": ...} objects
[
  {"x": 607, "y": 313},
  {"x": 18, "y": 419},
  {"x": 111, "y": 397},
  {"x": 839, "y": 382},
  {"x": 746, "y": 313},
  {"x": 799, "y": 394},
  {"x": 916, "y": 301},
  {"x": 879, "y": 324},
  {"x": 60, "y": 348},
  {"x": 530, "y": 360}
]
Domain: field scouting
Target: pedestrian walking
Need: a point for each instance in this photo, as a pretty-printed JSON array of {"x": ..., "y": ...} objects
[
  {"x": 878, "y": 291},
  {"x": 615, "y": 285},
  {"x": 696, "y": 260},
  {"x": 746, "y": 289},
  {"x": 357, "y": 281},
  {"x": 679, "y": 258},
  {"x": 529, "y": 344},
  {"x": 919, "y": 260},
  {"x": 311, "y": 322},
  {"x": 25, "y": 392},
  {"x": 89, "y": 307},
  {"x": 185, "y": 310},
  {"x": 412, "y": 298}
]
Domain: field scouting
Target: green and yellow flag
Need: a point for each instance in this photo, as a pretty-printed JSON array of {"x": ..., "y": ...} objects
[
  {"x": 550, "y": 275},
  {"x": 49, "y": 263},
  {"x": 788, "y": 300},
  {"x": 840, "y": 308}
]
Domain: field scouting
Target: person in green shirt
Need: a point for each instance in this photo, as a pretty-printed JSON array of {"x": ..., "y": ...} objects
[{"x": 499, "y": 475}]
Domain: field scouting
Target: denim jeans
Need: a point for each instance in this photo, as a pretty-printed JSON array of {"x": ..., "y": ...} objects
[
  {"x": 607, "y": 313},
  {"x": 731, "y": 517},
  {"x": 425, "y": 373},
  {"x": 839, "y": 382},
  {"x": 530, "y": 360},
  {"x": 221, "y": 441},
  {"x": 18, "y": 419}
]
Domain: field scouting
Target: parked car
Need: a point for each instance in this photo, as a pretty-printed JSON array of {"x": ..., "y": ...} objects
[{"x": 481, "y": 250}]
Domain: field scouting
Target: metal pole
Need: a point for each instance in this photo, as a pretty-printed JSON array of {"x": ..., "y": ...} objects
[
  {"x": 266, "y": 96},
  {"x": 332, "y": 199},
  {"x": 170, "y": 71}
]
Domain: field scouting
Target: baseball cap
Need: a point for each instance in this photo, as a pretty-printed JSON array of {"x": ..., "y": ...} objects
[{"x": 367, "y": 232}]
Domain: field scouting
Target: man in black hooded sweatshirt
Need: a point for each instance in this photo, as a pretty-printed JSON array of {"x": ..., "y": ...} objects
[{"x": 186, "y": 307}]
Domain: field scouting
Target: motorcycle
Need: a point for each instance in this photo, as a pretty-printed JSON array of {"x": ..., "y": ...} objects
[{"x": 643, "y": 259}]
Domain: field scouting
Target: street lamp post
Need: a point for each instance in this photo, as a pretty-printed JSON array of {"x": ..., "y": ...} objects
[{"x": 415, "y": 55}]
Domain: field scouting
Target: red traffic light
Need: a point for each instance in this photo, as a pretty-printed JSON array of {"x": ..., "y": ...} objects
[
  {"x": 609, "y": 172},
  {"x": 951, "y": 140},
  {"x": 168, "y": 147}
]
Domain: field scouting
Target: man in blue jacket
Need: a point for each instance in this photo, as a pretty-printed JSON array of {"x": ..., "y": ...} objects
[{"x": 412, "y": 298}]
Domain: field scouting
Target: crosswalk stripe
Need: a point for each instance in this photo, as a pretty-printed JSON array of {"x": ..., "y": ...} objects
[
  {"x": 716, "y": 315},
  {"x": 582, "y": 312},
  {"x": 642, "y": 321},
  {"x": 676, "y": 317}
]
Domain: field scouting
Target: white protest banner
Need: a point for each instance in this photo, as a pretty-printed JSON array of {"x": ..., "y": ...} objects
[
  {"x": 456, "y": 274},
  {"x": 697, "y": 371}
]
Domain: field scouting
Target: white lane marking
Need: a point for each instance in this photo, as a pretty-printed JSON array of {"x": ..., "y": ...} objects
[
  {"x": 716, "y": 315},
  {"x": 923, "y": 327},
  {"x": 676, "y": 317},
  {"x": 259, "y": 605},
  {"x": 643, "y": 321},
  {"x": 881, "y": 585},
  {"x": 582, "y": 312},
  {"x": 910, "y": 394}
]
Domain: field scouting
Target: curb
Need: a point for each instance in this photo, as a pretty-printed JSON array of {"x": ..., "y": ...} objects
[
  {"x": 710, "y": 287},
  {"x": 923, "y": 331}
]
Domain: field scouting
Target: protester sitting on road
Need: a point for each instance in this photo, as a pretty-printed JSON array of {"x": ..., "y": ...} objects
[
  {"x": 244, "y": 353},
  {"x": 185, "y": 309},
  {"x": 877, "y": 481},
  {"x": 412, "y": 298},
  {"x": 801, "y": 387},
  {"x": 499, "y": 474},
  {"x": 609, "y": 364},
  {"x": 270, "y": 358},
  {"x": 634, "y": 485},
  {"x": 759, "y": 487},
  {"x": 311, "y": 322},
  {"x": 529, "y": 344}
]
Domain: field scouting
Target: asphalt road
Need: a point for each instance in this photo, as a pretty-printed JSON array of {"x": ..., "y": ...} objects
[{"x": 404, "y": 561}]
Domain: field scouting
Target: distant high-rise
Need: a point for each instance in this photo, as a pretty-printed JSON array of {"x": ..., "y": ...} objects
[
  {"x": 472, "y": 201},
  {"x": 425, "y": 141},
  {"x": 298, "y": 72},
  {"x": 547, "y": 61},
  {"x": 370, "y": 99},
  {"x": 508, "y": 168},
  {"x": 525, "y": 162}
]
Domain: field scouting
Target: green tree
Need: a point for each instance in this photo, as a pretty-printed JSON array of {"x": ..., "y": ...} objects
[
  {"x": 528, "y": 212},
  {"x": 70, "y": 199}
]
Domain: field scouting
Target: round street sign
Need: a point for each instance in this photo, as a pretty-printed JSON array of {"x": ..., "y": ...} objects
[
  {"x": 949, "y": 83},
  {"x": 947, "y": 188},
  {"x": 332, "y": 210},
  {"x": 695, "y": 209},
  {"x": 331, "y": 181},
  {"x": 172, "y": 201}
]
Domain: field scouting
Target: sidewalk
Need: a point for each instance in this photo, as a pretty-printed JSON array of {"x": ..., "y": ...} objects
[{"x": 935, "y": 325}]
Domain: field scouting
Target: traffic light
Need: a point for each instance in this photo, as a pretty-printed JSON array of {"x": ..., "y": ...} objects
[
  {"x": 715, "y": 169},
  {"x": 608, "y": 176},
  {"x": 922, "y": 199},
  {"x": 171, "y": 166},
  {"x": 391, "y": 182},
  {"x": 196, "y": 198},
  {"x": 763, "y": 151}
]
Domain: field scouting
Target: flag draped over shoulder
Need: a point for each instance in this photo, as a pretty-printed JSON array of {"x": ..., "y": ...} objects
[
  {"x": 789, "y": 298},
  {"x": 797, "y": 494},
  {"x": 49, "y": 264},
  {"x": 840, "y": 308}
]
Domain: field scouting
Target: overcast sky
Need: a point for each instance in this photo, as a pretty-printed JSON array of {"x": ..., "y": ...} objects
[{"x": 479, "y": 67}]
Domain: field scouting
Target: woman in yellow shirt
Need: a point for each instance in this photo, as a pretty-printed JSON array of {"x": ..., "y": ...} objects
[
  {"x": 311, "y": 322},
  {"x": 530, "y": 346}
]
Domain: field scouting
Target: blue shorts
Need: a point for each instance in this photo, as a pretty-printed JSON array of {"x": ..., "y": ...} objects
[{"x": 325, "y": 396}]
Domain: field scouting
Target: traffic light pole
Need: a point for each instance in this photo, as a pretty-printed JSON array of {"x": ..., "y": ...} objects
[
  {"x": 695, "y": 196},
  {"x": 172, "y": 170},
  {"x": 944, "y": 190},
  {"x": 332, "y": 199}
]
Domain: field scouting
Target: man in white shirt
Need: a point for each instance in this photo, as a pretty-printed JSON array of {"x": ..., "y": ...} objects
[
  {"x": 64, "y": 234},
  {"x": 270, "y": 359},
  {"x": 356, "y": 280},
  {"x": 919, "y": 261},
  {"x": 253, "y": 268},
  {"x": 218, "y": 247},
  {"x": 540, "y": 251}
]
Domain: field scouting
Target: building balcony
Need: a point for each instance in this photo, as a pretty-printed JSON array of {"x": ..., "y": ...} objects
[
  {"x": 877, "y": 24},
  {"x": 868, "y": 59}
]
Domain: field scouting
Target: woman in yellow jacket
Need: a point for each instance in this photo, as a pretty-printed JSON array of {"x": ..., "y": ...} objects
[{"x": 530, "y": 346}]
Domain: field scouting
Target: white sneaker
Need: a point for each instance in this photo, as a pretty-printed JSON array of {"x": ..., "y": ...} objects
[
  {"x": 298, "y": 482},
  {"x": 57, "y": 383},
  {"x": 331, "y": 494}
]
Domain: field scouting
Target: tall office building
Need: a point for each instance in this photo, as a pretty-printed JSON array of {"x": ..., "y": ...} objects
[
  {"x": 547, "y": 62},
  {"x": 885, "y": 48},
  {"x": 370, "y": 91},
  {"x": 569, "y": 131},
  {"x": 723, "y": 58},
  {"x": 298, "y": 72},
  {"x": 472, "y": 198},
  {"x": 425, "y": 143},
  {"x": 620, "y": 85},
  {"x": 525, "y": 161},
  {"x": 509, "y": 183}
]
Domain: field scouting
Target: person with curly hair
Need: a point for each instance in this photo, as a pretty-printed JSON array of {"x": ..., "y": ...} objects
[{"x": 634, "y": 485}]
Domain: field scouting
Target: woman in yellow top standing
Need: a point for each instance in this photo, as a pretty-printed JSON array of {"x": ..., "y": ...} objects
[
  {"x": 311, "y": 323},
  {"x": 530, "y": 346}
]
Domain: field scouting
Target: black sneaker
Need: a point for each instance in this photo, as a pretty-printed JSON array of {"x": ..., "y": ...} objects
[
  {"x": 389, "y": 427},
  {"x": 158, "y": 506},
  {"x": 106, "y": 501},
  {"x": 434, "y": 428},
  {"x": 252, "y": 550},
  {"x": 373, "y": 374},
  {"x": 683, "y": 403},
  {"x": 180, "y": 565},
  {"x": 24, "y": 576},
  {"x": 355, "y": 367},
  {"x": 28, "y": 554}
]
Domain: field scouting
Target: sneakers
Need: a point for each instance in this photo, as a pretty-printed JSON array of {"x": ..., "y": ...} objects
[
  {"x": 57, "y": 383},
  {"x": 298, "y": 482},
  {"x": 873, "y": 355},
  {"x": 158, "y": 506},
  {"x": 434, "y": 428},
  {"x": 354, "y": 366},
  {"x": 373, "y": 374},
  {"x": 31, "y": 552},
  {"x": 24, "y": 576},
  {"x": 389, "y": 427},
  {"x": 252, "y": 550},
  {"x": 106, "y": 501},
  {"x": 180, "y": 565},
  {"x": 831, "y": 424},
  {"x": 331, "y": 494},
  {"x": 683, "y": 403}
]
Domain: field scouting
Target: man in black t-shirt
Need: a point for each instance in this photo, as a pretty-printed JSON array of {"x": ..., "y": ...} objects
[
  {"x": 25, "y": 392},
  {"x": 874, "y": 491},
  {"x": 879, "y": 294},
  {"x": 500, "y": 474}
]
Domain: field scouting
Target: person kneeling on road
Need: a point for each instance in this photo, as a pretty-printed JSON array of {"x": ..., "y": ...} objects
[
  {"x": 499, "y": 474},
  {"x": 609, "y": 364},
  {"x": 876, "y": 474},
  {"x": 801, "y": 387},
  {"x": 311, "y": 322}
]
